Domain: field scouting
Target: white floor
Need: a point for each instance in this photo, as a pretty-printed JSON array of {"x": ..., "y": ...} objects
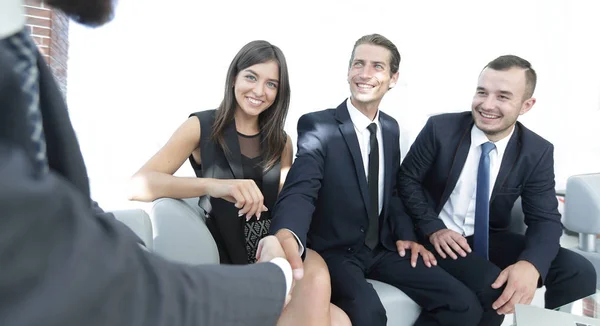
[{"x": 566, "y": 241}]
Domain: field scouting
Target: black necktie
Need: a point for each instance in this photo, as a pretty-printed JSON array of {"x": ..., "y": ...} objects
[{"x": 372, "y": 238}]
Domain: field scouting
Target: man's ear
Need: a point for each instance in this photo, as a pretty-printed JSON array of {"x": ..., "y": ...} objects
[
  {"x": 394, "y": 80},
  {"x": 527, "y": 105}
]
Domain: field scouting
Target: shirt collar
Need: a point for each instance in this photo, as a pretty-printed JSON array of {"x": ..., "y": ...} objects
[
  {"x": 12, "y": 17},
  {"x": 478, "y": 138},
  {"x": 359, "y": 120}
]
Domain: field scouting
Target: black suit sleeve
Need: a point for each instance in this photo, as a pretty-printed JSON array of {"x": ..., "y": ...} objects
[
  {"x": 540, "y": 207},
  {"x": 62, "y": 266},
  {"x": 296, "y": 203},
  {"x": 412, "y": 173},
  {"x": 402, "y": 224}
]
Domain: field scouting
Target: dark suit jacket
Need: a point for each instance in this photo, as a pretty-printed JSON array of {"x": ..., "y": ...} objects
[
  {"x": 63, "y": 264},
  {"x": 432, "y": 166},
  {"x": 222, "y": 216},
  {"x": 325, "y": 197}
]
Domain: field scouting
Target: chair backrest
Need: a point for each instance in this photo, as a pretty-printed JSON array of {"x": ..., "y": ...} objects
[{"x": 582, "y": 204}]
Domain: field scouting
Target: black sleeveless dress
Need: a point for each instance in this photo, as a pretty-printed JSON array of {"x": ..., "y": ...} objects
[
  {"x": 254, "y": 229},
  {"x": 236, "y": 238}
]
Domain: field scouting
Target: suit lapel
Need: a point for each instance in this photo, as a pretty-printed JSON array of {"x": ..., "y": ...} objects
[
  {"x": 233, "y": 152},
  {"x": 508, "y": 160},
  {"x": 458, "y": 163},
  {"x": 347, "y": 130},
  {"x": 388, "y": 153}
]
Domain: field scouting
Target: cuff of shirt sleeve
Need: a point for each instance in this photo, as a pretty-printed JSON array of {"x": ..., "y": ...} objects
[{"x": 286, "y": 268}]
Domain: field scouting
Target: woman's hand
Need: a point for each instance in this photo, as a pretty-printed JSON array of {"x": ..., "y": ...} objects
[{"x": 242, "y": 192}]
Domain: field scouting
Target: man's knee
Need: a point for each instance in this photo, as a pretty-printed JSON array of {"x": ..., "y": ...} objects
[
  {"x": 474, "y": 306},
  {"x": 571, "y": 277},
  {"x": 483, "y": 289},
  {"x": 471, "y": 313},
  {"x": 488, "y": 295},
  {"x": 366, "y": 311},
  {"x": 462, "y": 307},
  {"x": 471, "y": 316},
  {"x": 584, "y": 275},
  {"x": 372, "y": 313}
]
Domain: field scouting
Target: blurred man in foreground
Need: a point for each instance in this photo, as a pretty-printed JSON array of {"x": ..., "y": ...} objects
[{"x": 66, "y": 262}]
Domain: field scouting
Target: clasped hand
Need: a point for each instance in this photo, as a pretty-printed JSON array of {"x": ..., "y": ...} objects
[{"x": 268, "y": 249}]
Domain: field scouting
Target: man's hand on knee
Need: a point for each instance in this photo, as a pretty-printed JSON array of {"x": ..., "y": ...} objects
[
  {"x": 446, "y": 241},
  {"x": 521, "y": 281},
  {"x": 416, "y": 250}
]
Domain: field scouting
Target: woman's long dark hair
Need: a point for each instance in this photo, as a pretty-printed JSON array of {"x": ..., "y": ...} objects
[{"x": 271, "y": 120}]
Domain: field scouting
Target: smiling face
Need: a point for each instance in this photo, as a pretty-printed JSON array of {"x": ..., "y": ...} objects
[
  {"x": 499, "y": 100},
  {"x": 369, "y": 75},
  {"x": 256, "y": 87}
]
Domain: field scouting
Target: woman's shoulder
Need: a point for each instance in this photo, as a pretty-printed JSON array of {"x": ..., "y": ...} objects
[
  {"x": 205, "y": 119},
  {"x": 204, "y": 115}
]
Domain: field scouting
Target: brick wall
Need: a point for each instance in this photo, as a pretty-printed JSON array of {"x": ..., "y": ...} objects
[{"x": 50, "y": 31}]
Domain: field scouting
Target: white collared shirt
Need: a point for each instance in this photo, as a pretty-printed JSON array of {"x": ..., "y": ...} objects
[
  {"x": 458, "y": 213},
  {"x": 12, "y": 17},
  {"x": 361, "y": 122}
]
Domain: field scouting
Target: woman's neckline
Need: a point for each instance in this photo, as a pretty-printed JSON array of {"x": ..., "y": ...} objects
[{"x": 248, "y": 136}]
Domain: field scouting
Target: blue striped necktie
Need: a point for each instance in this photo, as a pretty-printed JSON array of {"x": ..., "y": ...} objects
[
  {"x": 27, "y": 71},
  {"x": 482, "y": 203}
]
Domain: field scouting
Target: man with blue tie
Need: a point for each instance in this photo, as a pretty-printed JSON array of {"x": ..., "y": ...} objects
[
  {"x": 340, "y": 199},
  {"x": 460, "y": 180}
]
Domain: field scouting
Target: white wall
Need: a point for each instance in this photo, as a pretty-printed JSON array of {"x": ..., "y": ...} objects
[{"x": 132, "y": 82}]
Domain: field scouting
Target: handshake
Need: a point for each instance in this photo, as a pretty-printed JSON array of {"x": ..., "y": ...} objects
[{"x": 284, "y": 245}]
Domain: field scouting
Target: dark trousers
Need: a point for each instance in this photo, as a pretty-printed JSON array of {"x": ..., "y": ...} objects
[
  {"x": 444, "y": 299},
  {"x": 570, "y": 277}
]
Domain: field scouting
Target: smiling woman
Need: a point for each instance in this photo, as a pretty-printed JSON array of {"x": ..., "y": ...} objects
[
  {"x": 241, "y": 154},
  {"x": 256, "y": 88},
  {"x": 238, "y": 153}
]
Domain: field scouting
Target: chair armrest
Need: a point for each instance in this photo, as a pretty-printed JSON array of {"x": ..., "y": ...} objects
[
  {"x": 139, "y": 222},
  {"x": 180, "y": 232}
]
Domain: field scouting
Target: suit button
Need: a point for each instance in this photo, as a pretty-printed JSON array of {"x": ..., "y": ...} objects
[
  {"x": 362, "y": 230},
  {"x": 350, "y": 250}
]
